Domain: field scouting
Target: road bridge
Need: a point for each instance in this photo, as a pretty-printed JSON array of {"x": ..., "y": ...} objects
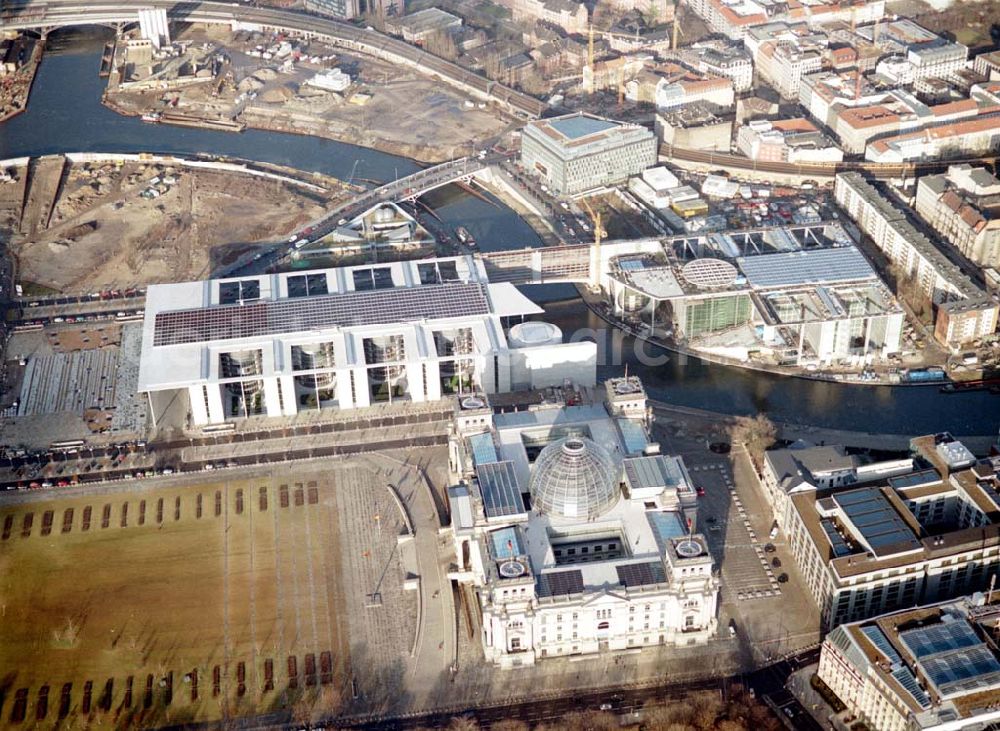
[{"x": 45, "y": 15}]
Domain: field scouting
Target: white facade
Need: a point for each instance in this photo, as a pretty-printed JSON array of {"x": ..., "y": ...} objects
[
  {"x": 153, "y": 26},
  {"x": 331, "y": 80},
  {"x": 577, "y": 152},
  {"x": 872, "y": 668},
  {"x": 342, "y": 338},
  {"x": 630, "y": 574}
]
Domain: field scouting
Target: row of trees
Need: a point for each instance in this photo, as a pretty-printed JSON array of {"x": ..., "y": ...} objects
[{"x": 701, "y": 711}]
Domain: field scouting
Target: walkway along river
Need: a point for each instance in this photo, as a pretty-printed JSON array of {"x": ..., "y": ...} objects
[{"x": 65, "y": 114}]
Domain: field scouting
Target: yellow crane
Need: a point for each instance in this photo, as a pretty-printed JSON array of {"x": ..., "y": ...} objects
[{"x": 596, "y": 218}]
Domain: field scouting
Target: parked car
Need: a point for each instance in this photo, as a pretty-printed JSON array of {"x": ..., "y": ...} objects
[
  {"x": 769, "y": 548},
  {"x": 782, "y": 578},
  {"x": 776, "y": 562}
]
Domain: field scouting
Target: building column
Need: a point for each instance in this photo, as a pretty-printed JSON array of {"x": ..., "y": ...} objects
[
  {"x": 362, "y": 393},
  {"x": 432, "y": 383},
  {"x": 196, "y": 397},
  {"x": 286, "y": 384},
  {"x": 216, "y": 412},
  {"x": 272, "y": 396},
  {"x": 344, "y": 396}
]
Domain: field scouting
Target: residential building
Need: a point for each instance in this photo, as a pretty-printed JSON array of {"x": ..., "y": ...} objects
[
  {"x": 932, "y": 668},
  {"x": 341, "y": 338},
  {"x": 967, "y": 137},
  {"x": 614, "y": 73},
  {"x": 963, "y": 205},
  {"x": 341, "y": 9},
  {"x": 580, "y": 152},
  {"x": 571, "y": 16},
  {"x": 671, "y": 85},
  {"x": 988, "y": 65},
  {"x": 605, "y": 560},
  {"x": 783, "y": 53},
  {"x": 825, "y": 94},
  {"x": 786, "y": 140},
  {"x": 721, "y": 59},
  {"x": 918, "y": 259},
  {"x": 735, "y": 18},
  {"x": 924, "y": 536}
]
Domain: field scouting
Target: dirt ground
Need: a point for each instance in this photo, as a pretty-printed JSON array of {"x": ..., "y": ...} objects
[
  {"x": 386, "y": 107},
  {"x": 104, "y": 234},
  {"x": 137, "y": 590}
]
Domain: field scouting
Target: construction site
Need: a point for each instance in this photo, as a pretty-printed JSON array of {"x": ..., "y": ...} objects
[
  {"x": 212, "y": 77},
  {"x": 130, "y": 220}
]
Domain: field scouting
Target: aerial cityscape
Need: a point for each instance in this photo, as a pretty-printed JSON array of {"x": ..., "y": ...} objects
[{"x": 500, "y": 364}]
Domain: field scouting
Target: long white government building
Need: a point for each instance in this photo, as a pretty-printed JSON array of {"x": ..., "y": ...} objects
[
  {"x": 574, "y": 531},
  {"x": 280, "y": 344}
]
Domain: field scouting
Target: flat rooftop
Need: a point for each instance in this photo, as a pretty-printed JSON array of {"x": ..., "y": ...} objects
[
  {"x": 578, "y": 127},
  {"x": 811, "y": 266}
]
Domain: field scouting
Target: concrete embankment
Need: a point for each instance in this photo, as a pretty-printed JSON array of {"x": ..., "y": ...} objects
[{"x": 720, "y": 422}]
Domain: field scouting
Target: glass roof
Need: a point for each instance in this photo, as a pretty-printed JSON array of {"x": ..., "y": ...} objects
[
  {"x": 576, "y": 127},
  {"x": 575, "y": 478}
]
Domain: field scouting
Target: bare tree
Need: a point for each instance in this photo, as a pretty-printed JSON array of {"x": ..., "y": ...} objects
[
  {"x": 757, "y": 435},
  {"x": 463, "y": 723},
  {"x": 442, "y": 43},
  {"x": 510, "y": 724}
]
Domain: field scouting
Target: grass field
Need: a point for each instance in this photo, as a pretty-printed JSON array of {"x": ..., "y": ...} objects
[{"x": 131, "y": 610}]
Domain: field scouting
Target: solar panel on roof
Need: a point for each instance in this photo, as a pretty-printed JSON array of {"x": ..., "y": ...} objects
[
  {"x": 936, "y": 638},
  {"x": 401, "y": 304},
  {"x": 967, "y": 669},
  {"x": 874, "y": 633},
  {"x": 905, "y": 678},
  {"x": 837, "y": 542},
  {"x": 560, "y": 583},
  {"x": 498, "y": 485},
  {"x": 641, "y": 574},
  {"x": 813, "y": 266},
  {"x": 915, "y": 479},
  {"x": 878, "y": 522}
]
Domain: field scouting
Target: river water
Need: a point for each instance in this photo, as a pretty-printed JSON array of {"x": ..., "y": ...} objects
[{"x": 65, "y": 114}]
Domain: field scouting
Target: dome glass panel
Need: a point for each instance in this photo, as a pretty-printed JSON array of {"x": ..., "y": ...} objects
[{"x": 575, "y": 478}]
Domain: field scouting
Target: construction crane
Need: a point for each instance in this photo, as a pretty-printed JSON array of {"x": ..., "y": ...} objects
[{"x": 596, "y": 218}]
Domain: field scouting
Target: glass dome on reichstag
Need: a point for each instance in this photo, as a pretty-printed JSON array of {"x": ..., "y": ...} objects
[{"x": 575, "y": 478}]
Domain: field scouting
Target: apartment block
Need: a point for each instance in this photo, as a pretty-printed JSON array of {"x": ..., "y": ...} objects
[{"x": 963, "y": 205}]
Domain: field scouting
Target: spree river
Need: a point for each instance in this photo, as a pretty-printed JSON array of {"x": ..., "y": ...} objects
[{"x": 65, "y": 114}]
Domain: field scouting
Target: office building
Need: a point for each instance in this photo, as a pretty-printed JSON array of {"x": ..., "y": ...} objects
[
  {"x": 580, "y": 152},
  {"x": 963, "y": 205},
  {"x": 275, "y": 345},
  {"x": 926, "y": 535},
  {"x": 932, "y": 668},
  {"x": 762, "y": 295},
  {"x": 575, "y": 531}
]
